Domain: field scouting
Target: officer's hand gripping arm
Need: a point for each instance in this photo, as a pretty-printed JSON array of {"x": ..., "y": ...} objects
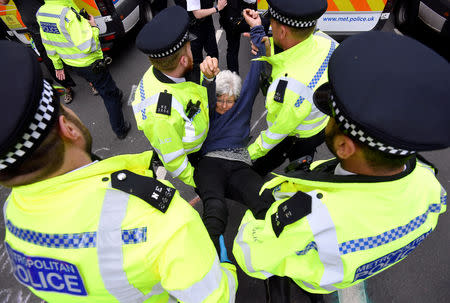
[{"x": 194, "y": 274}]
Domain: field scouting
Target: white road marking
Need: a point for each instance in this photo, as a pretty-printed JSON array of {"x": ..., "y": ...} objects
[
  {"x": 259, "y": 119},
  {"x": 219, "y": 34},
  {"x": 131, "y": 97},
  {"x": 354, "y": 294}
]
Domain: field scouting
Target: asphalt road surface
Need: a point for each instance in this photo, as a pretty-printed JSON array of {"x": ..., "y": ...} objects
[{"x": 422, "y": 277}]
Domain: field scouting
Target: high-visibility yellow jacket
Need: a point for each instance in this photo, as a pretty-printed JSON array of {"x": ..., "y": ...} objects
[
  {"x": 161, "y": 112},
  {"x": 296, "y": 73},
  {"x": 78, "y": 238},
  {"x": 338, "y": 230},
  {"x": 67, "y": 36}
]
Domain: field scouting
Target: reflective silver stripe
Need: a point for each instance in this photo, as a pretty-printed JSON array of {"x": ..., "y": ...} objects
[
  {"x": 296, "y": 86},
  {"x": 231, "y": 285},
  {"x": 109, "y": 248},
  {"x": 47, "y": 15},
  {"x": 325, "y": 236},
  {"x": 74, "y": 56},
  {"x": 57, "y": 44},
  {"x": 157, "y": 289},
  {"x": 275, "y": 136},
  {"x": 180, "y": 109},
  {"x": 62, "y": 25},
  {"x": 246, "y": 251},
  {"x": 308, "y": 285},
  {"x": 311, "y": 126},
  {"x": 173, "y": 155},
  {"x": 50, "y": 52},
  {"x": 86, "y": 44},
  {"x": 314, "y": 114},
  {"x": 265, "y": 144},
  {"x": 190, "y": 139},
  {"x": 269, "y": 124},
  {"x": 194, "y": 148},
  {"x": 203, "y": 288},
  {"x": 137, "y": 108},
  {"x": 180, "y": 169}
]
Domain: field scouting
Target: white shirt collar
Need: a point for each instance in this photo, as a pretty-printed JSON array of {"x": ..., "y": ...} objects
[
  {"x": 342, "y": 172},
  {"x": 176, "y": 80}
]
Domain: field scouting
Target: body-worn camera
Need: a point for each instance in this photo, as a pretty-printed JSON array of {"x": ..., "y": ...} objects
[{"x": 83, "y": 13}]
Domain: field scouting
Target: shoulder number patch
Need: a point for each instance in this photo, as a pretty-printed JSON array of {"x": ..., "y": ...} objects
[
  {"x": 280, "y": 90},
  {"x": 46, "y": 274},
  {"x": 148, "y": 189},
  {"x": 164, "y": 104},
  {"x": 290, "y": 211}
]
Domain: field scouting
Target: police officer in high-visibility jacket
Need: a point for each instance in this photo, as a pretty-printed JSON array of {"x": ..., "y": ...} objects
[
  {"x": 70, "y": 38},
  {"x": 299, "y": 65},
  {"x": 351, "y": 217},
  {"x": 79, "y": 230},
  {"x": 171, "y": 105}
]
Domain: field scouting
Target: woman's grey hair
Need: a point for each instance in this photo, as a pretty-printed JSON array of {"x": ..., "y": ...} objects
[{"x": 229, "y": 83}]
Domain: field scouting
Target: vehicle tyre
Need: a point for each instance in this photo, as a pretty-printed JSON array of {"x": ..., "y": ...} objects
[
  {"x": 146, "y": 11},
  {"x": 405, "y": 13}
]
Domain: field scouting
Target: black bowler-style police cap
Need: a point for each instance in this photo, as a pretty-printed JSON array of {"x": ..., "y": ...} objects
[
  {"x": 165, "y": 34},
  {"x": 389, "y": 92},
  {"x": 28, "y": 107},
  {"x": 297, "y": 13}
]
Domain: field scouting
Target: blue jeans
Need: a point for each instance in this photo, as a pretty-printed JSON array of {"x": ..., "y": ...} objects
[{"x": 109, "y": 92}]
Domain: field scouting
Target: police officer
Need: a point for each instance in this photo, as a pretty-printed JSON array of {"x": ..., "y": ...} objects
[
  {"x": 170, "y": 105},
  {"x": 299, "y": 66},
  {"x": 351, "y": 217},
  {"x": 28, "y": 14},
  {"x": 70, "y": 38},
  {"x": 84, "y": 231}
]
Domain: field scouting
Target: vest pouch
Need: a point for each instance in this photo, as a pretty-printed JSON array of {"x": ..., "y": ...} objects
[{"x": 98, "y": 66}]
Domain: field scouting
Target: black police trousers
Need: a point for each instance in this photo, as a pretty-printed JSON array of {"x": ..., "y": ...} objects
[
  {"x": 206, "y": 39},
  {"x": 290, "y": 148},
  {"x": 217, "y": 179}
]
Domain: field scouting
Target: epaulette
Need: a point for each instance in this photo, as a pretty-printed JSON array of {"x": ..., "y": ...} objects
[
  {"x": 290, "y": 211},
  {"x": 164, "y": 103},
  {"x": 280, "y": 90},
  {"x": 148, "y": 189}
]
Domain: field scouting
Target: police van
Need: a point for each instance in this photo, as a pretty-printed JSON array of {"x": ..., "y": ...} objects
[
  {"x": 348, "y": 17},
  {"x": 114, "y": 18}
]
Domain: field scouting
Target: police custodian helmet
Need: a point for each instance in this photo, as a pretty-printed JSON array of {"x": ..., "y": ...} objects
[
  {"x": 166, "y": 33},
  {"x": 389, "y": 92},
  {"x": 29, "y": 109}
]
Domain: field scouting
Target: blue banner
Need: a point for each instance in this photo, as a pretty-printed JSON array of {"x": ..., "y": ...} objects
[
  {"x": 45, "y": 274},
  {"x": 371, "y": 268}
]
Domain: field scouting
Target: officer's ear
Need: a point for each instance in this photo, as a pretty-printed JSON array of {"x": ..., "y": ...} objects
[
  {"x": 344, "y": 146},
  {"x": 68, "y": 131}
]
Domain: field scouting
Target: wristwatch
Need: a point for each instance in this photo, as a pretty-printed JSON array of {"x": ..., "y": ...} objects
[{"x": 217, "y": 10}]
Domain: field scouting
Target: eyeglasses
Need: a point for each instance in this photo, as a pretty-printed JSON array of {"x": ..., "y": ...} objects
[{"x": 228, "y": 101}]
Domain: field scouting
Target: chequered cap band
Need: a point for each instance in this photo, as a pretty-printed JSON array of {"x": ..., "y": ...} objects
[
  {"x": 362, "y": 137},
  {"x": 291, "y": 22},
  {"x": 172, "y": 50},
  {"x": 38, "y": 126}
]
